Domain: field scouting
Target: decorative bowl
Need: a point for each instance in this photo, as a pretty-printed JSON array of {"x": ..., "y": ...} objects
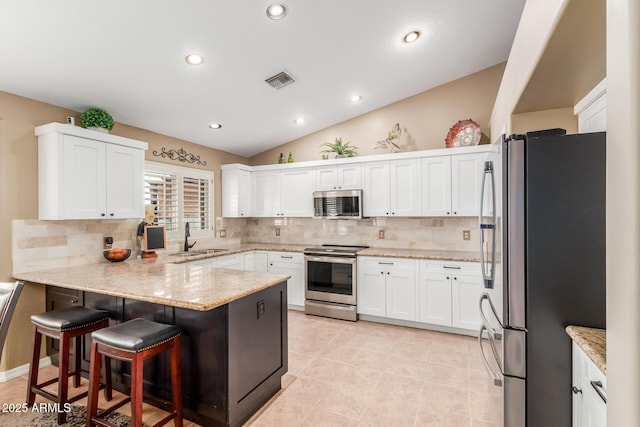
[{"x": 116, "y": 254}]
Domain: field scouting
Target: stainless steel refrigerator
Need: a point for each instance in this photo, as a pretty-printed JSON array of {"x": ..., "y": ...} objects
[{"x": 552, "y": 265}]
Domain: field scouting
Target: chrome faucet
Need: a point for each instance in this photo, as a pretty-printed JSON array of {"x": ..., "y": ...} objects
[{"x": 186, "y": 238}]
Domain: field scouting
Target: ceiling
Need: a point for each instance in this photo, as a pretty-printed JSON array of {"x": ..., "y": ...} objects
[{"x": 128, "y": 58}]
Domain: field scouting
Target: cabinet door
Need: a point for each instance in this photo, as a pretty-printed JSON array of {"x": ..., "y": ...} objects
[
  {"x": 466, "y": 177},
  {"x": 466, "y": 291},
  {"x": 405, "y": 187},
  {"x": 326, "y": 178},
  {"x": 265, "y": 192},
  {"x": 248, "y": 261},
  {"x": 260, "y": 262},
  {"x": 84, "y": 179},
  {"x": 401, "y": 292},
  {"x": 349, "y": 177},
  {"x": 436, "y": 186},
  {"x": 236, "y": 193},
  {"x": 371, "y": 287},
  {"x": 228, "y": 261},
  {"x": 435, "y": 298},
  {"x": 125, "y": 182},
  {"x": 291, "y": 264},
  {"x": 296, "y": 196},
  {"x": 376, "y": 189}
]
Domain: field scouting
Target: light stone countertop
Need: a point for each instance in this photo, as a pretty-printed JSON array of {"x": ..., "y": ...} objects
[
  {"x": 593, "y": 342},
  {"x": 186, "y": 286},
  {"x": 429, "y": 254}
]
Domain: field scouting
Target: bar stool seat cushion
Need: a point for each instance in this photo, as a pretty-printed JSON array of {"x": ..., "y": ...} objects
[
  {"x": 69, "y": 318},
  {"x": 135, "y": 335}
]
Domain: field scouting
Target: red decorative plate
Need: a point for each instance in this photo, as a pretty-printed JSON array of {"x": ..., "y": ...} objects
[{"x": 463, "y": 134}]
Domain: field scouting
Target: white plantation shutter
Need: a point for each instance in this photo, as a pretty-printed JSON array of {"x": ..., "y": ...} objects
[
  {"x": 180, "y": 195},
  {"x": 197, "y": 206}
]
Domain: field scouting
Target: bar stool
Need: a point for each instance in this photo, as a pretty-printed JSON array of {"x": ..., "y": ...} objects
[
  {"x": 64, "y": 325},
  {"x": 134, "y": 341}
]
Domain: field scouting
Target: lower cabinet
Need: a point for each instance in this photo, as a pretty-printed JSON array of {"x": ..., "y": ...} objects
[
  {"x": 387, "y": 287},
  {"x": 449, "y": 294},
  {"x": 57, "y": 299},
  {"x": 589, "y": 386},
  {"x": 292, "y": 264}
]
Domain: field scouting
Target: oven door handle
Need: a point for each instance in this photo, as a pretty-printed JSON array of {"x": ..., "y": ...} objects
[{"x": 330, "y": 259}]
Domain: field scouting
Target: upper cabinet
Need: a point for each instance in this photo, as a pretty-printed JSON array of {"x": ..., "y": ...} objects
[
  {"x": 85, "y": 174},
  {"x": 444, "y": 182},
  {"x": 392, "y": 188},
  {"x": 451, "y": 185},
  {"x": 236, "y": 191},
  {"x": 338, "y": 177},
  {"x": 282, "y": 193}
]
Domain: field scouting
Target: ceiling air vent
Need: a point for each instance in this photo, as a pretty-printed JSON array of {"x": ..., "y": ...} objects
[{"x": 280, "y": 80}]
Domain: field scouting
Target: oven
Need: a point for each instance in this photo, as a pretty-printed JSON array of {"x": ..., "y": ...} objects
[{"x": 331, "y": 281}]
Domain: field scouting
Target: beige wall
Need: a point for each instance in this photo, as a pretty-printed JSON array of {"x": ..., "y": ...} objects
[
  {"x": 548, "y": 119},
  {"x": 538, "y": 20},
  {"x": 427, "y": 117},
  {"x": 623, "y": 212},
  {"x": 19, "y": 192}
]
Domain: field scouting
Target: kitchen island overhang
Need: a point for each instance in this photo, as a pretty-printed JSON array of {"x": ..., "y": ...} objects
[{"x": 234, "y": 329}]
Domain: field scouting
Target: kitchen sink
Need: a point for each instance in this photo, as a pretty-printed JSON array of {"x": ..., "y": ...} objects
[{"x": 198, "y": 252}]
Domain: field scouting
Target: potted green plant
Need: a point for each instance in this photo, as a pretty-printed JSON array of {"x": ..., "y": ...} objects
[
  {"x": 97, "y": 119},
  {"x": 341, "y": 149}
]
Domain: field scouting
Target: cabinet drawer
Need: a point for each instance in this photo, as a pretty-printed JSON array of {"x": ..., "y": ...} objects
[
  {"x": 428, "y": 266},
  {"x": 292, "y": 257},
  {"x": 397, "y": 264}
]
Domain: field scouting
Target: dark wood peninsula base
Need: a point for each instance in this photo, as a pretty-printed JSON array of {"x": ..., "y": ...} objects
[{"x": 233, "y": 356}]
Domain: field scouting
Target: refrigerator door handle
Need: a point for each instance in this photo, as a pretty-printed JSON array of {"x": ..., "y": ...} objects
[
  {"x": 488, "y": 264},
  {"x": 491, "y": 330},
  {"x": 497, "y": 377}
]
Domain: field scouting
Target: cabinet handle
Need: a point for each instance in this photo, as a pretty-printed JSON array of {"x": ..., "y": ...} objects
[
  {"x": 286, "y": 257},
  {"x": 103, "y": 214},
  {"x": 448, "y": 277},
  {"x": 597, "y": 386},
  {"x": 385, "y": 263},
  {"x": 74, "y": 300},
  {"x": 111, "y": 214},
  {"x": 451, "y": 267},
  {"x": 576, "y": 390},
  {"x": 393, "y": 213},
  {"x": 334, "y": 188},
  {"x": 386, "y": 213},
  {"x": 455, "y": 213},
  {"x": 455, "y": 278},
  {"x": 382, "y": 272},
  {"x": 388, "y": 273}
]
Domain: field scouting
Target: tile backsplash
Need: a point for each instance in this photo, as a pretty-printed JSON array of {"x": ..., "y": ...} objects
[{"x": 38, "y": 245}]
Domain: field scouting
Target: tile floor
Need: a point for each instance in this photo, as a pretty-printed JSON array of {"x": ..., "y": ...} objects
[{"x": 364, "y": 374}]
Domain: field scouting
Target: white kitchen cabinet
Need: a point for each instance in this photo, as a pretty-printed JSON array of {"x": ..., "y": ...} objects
[
  {"x": 296, "y": 192},
  {"x": 248, "y": 263},
  {"x": 449, "y": 293},
  {"x": 236, "y": 191},
  {"x": 85, "y": 174},
  {"x": 292, "y": 264},
  {"x": 451, "y": 185},
  {"x": 391, "y": 188},
  {"x": 261, "y": 261},
  {"x": 287, "y": 193},
  {"x": 233, "y": 261},
  {"x": 589, "y": 408},
  {"x": 387, "y": 287},
  {"x": 338, "y": 177}
]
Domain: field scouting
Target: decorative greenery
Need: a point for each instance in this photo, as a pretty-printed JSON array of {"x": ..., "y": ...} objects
[
  {"x": 341, "y": 149},
  {"x": 391, "y": 141},
  {"x": 96, "y": 117}
]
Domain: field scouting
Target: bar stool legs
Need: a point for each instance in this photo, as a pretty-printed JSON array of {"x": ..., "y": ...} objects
[
  {"x": 64, "y": 325},
  {"x": 135, "y": 341}
]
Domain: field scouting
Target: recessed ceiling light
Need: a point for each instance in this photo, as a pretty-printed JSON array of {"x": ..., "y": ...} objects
[
  {"x": 356, "y": 98},
  {"x": 193, "y": 59},
  {"x": 411, "y": 36},
  {"x": 299, "y": 120},
  {"x": 276, "y": 11},
  {"x": 215, "y": 125}
]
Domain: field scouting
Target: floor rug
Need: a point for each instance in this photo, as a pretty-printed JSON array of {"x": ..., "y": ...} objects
[{"x": 77, "y": 417}]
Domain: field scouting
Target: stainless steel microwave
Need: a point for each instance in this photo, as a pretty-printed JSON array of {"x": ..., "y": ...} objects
[{"x": 339, "y": 204}]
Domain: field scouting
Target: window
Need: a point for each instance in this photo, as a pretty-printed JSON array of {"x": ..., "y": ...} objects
[{"x": 180, "y": 195}]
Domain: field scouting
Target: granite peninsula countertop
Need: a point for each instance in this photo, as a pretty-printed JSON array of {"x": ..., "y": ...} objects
[
  {"x": 186, "y": 286},
  {"x": 593, "y": 342},
  {"x": 429, "y": 254}
]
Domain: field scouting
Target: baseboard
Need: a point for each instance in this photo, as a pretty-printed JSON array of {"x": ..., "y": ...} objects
[
  {"x": 419, "y": 325},
  {"x": 22, "y": 370}
]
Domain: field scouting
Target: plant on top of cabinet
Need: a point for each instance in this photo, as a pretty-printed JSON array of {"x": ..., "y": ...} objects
[
  {"x": 97, "y": 119},
  {"x": 391, "y": 141},
  {"x": 341, "y": 149}
]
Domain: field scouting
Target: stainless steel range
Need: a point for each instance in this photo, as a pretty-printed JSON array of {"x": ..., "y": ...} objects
[{"x": 330, "y": 277}]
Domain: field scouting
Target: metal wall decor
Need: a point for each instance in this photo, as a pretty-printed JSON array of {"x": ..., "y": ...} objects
[{"x": 180, "y": 155}]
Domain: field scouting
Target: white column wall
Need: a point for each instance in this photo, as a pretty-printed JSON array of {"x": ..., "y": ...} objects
[{"x": 623, "y": 212}]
